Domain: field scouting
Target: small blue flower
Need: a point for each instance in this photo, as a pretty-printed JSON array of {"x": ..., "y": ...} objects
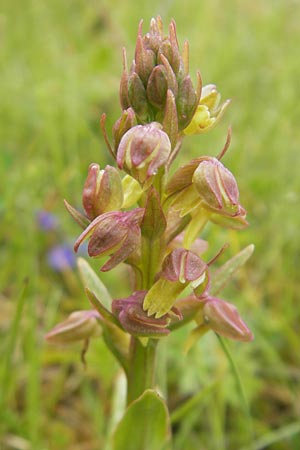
[
  {"x": 46, "y": 220},
  {"x": 61, "y": 257}
]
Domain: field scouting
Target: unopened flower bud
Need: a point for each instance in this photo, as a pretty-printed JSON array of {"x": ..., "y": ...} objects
[
  {"x": 143, "y": 150},
  {"x": 209, "y": 111},
  {"x": 145, "y": 59},
  {"x": 135, "y": 320},
  {"x": 172, "y": 81},
  {"x": 153, "y": 39},
  {"x": 223, "y": 318},
  {"x": 169, "y": 48},
  {"x": 102, "y": 191},
  {"x": 123, "y": 124},
  {"x": 114, "y": 233},
  {"x": 78, "y": 326},
  {"x": 157, "y": 86},
  {"x": 138, "y": 97},
  {"x": 187, "y": 102},
  {"x": 170, "y": 119},
  {"x": 180, "y": 268},
  {"x": 217, "y": 187}
]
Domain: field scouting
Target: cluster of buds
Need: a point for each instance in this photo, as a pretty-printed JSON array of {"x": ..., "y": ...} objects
[
  {"x": 152, "y": 221},
  {"x": 158, "y": 84}
]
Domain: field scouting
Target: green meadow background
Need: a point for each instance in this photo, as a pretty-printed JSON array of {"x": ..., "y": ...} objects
[{"x": 60, "y": 70}]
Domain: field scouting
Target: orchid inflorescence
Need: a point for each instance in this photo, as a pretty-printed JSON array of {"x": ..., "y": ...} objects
[{"x": 151, "y": 220}]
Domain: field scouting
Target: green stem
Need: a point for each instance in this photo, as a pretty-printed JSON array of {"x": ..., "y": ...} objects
[
  {"x": 141, "y": 374},
  {"x": 194, "y": 228},
  {"x": 151, "y": 253},
  {"x": 142, "y": 357}
]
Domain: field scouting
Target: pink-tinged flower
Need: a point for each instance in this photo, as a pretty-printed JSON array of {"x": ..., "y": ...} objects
[
  {"x": 143, "y": 150},
  {"x": 205, "y": 182},
  {"x": 78, "y": 326},
  {"x": 184, "y": 266},
  {"x": 102, "y": 191},
  {"x": 135, "y": 320},
  {"x": 223, "y": 318},
  {"x": 180, "y": 269},
  {"x": 217, "y": 188},
  {"x": 114, "y": 233}
]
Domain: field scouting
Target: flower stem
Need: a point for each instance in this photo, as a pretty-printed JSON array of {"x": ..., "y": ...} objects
[
  {"x": 194, "y": 228},
  {"x": 141, "y": 374},
  {"x": 151, "y": 253},
  {"x": 142, "y": 355}
]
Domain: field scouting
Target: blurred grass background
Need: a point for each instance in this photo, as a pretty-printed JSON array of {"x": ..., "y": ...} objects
[{"x": 60, "y": 69}]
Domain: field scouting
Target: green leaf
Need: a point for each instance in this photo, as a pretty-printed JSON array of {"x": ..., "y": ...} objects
[
  {"x": 82, "y": 220},
  {"x": 273, "y": 437},
  {"x": 114, "y": 336},
  {"x": 105, "y": 313},
  {"x": 118, "y": 405},
  {"x": 7, "y": 356},
  {"x": 221, "y": 277},
  {"x": 92, "y": 282},
  {"x": 239, "y": 383},
  {"x": 145, "y": 424}
]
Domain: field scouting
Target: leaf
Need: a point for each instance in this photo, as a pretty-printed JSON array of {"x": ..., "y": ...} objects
[
  {"x": 145, "y": 424},
  {"x": 118, "y": 404},
  {"x": 273, "y": 437},
  {"x": 7, "y": 355},
  {"x": 91, "y": 281},
  {"x": 114, "y": 336},
  {"x": 239, "y": 384},
  {"x": 221, "y": 277},
  {"x": 82, "y": 220},
  {"x": 102, "y": 310}
]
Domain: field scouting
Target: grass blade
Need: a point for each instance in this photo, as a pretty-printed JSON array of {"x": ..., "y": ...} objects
[
  {"x": 10, "y": 346},
  {"x": 275, "y": 436}
]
